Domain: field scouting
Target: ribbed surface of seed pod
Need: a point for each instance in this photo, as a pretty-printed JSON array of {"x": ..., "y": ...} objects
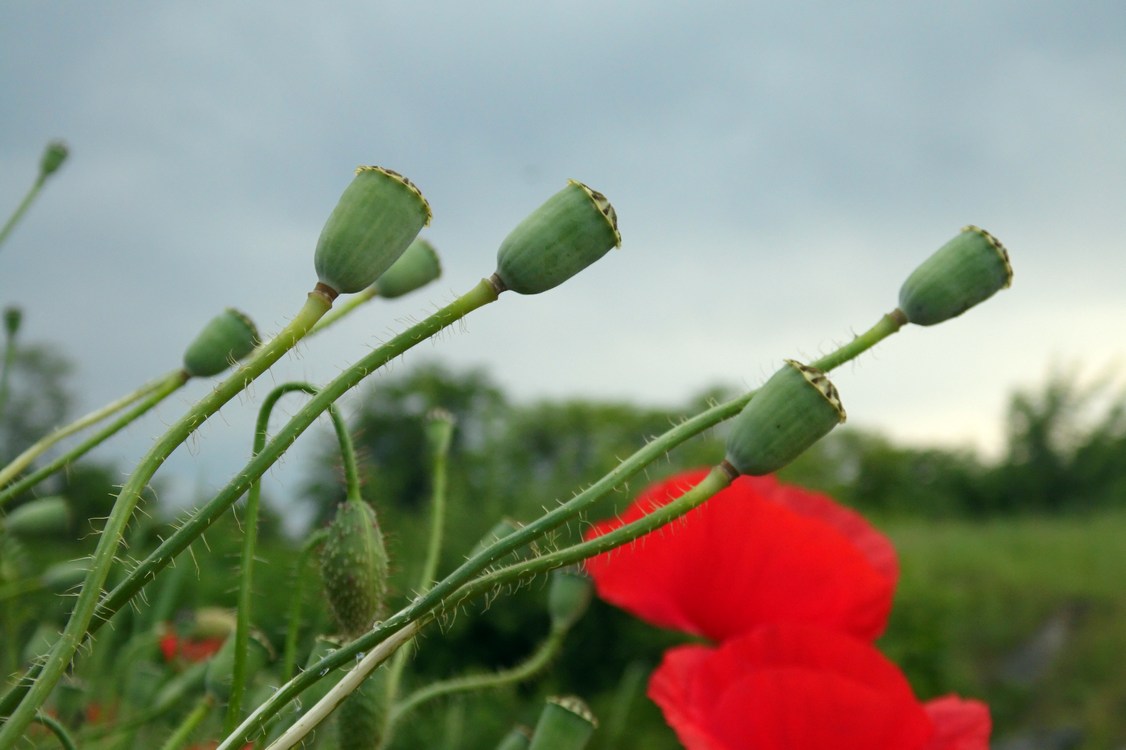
[
  {"x": 415, "y": 268},
  {"x": 378, "y": 216},
  {"x": 227, "y": 337},
  {"x": 572, "y": 229},
  {"x": 354, "y": 567},
  {"x": 362, "y": 716},
  {"x": 794, "y": 409},
  {"x": 564, "y": 724},
  {"x": 967, "y": 270}
]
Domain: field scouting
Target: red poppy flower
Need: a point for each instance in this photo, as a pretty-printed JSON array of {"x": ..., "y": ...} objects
[
  {"x": 793, "y": 687},
  {"x": 757, "y": 552},
  {"x": 173, "y": 646}
]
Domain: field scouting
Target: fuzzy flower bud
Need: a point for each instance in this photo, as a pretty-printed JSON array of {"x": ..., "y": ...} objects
[
  {"x": 229, "y": 336},
  {"x": 967, "y": 270},
  {"x": 574, "y": 228},
  {"x": 378, "y": 216},
  {"x": 794, "y": 409},
  {"x": 416, "y": 267},
  {"x": 354, "y": 567},
  {"x": 53, "y": 157},
  {"x": 564, "y": 724}
]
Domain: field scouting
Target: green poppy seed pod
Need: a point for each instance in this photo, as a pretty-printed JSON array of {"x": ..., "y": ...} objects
[
  {"x": 564, "y": 724},
  {"x": 568, "y": 597},
  {"x": 13, "y": 316},
  {"x": 228, "y": 337},
  {"x": 967, "y": 270},
  {"x": 517, "y": 739},
  {"x": 439, "y": 430},
  {"x": 44, "y": 516},
  {"x": 53, "y": 157},
  {"x": 415, "y": 268},
  {"x": 794, "y": 409},
  {"x": 574, "y": 228},
  {"x": 220, "y": 667},
  {"x": 362, "y": 717},
  {"x": 378, "y": 216},
  {"x": 354, "y": 567}
]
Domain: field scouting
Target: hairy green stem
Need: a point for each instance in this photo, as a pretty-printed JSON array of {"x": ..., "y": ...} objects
[
  {"x": 250, "y": 536},
  {"x": 627, "y": 469},
  {"x": 289, "y": 659},
  {"x": 165, "y": 389},
  {"x": 353, "y": 301},
  {"x": 58, "y": 730},
  {"x": 526, "y": 669},
  {"x": 165, "y": 384},
  {"x": 77, "y": 627},
  {"x": 482, "y": 294}
]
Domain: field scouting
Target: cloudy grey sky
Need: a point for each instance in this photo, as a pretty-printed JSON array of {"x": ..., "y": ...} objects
[{"x": 777, "y": 168}]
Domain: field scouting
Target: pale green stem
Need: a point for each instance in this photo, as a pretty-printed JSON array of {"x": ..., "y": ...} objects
[
  {"x": 481, "y": 295},
  {"x": 191, "y": 722},
  {"x": 290, "y": 654},
  {"x": 21, "y": 209},
  {"x": 78, "y": 625},
  {"x": 170, "y": 386},
  {"x": 525, "y": 670},
  {"x": 250, "y": 537},
  {"x": 354, "y": 301},
  {"x": 6, "y": 372},
  {"x": 58, "y": 730},
  {"x": 20, "y": 462},
  {"x": 626, "y": 470},
  {"x": 439, "y": 433}
]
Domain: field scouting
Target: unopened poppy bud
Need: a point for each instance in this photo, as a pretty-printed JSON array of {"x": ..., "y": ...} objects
[
  {"x": 794, "y": 409},
  {"x": 568, "y": 597},
  {"x": 439, "y": 430},
  {"x": 362, "y": 718},
  {"x": 43, "y": 516},
  {"x": 378, "y": 216},
  {"x": 354, "y": 567},
  {"x": 967, "y": 270},
  {"x": 416, "y": 267},
  {"x": 517, "y": 739},
  {"x": 574, "y": 228},
  {"x": 564, "y": 724},
  {"x": 13, "y": 316},
  {"x": 220, "y": 667},
  {"x": 229, "y": 336},
  {"x": 53, "y": 157}
]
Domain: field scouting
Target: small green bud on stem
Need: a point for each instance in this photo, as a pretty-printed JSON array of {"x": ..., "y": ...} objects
[
  {"x": 13, "y": 316},
  {"x": 573, "y": 229},
  {"x": 53, "y": 157},
  {"x": 228, "y": 337},
  {"x": 967, "y": 270},
  {"x": 378, "y": 216},
  {"x": 415, "y": 268},
  {"x": 568, "y": 596},
  {"x": 794, "y": 409},
  {"x": 564, "y": 724},
  {"x": 354, "y": 567}
]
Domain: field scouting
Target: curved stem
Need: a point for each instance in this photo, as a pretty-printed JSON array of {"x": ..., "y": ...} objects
[
  {"x": 526, "y": 669},
  {"x": 58, "y": 729},
  {"x": 77, "y": 626},
  {"x": 16, "y": 465},
  {"x": 625, "y": 470},
  {"x": 482, "y": 294},
  {"x": 170, "y": 386}
]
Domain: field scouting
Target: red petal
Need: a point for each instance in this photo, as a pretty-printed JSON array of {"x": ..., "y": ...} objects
[
  {"x": 757, "y": 552},
  {"x": 788, "y": 688},
  {"x": 959, "y": 724}
]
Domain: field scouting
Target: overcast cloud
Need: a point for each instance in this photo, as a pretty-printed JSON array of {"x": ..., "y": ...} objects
[{"x": 778, "y": 169}]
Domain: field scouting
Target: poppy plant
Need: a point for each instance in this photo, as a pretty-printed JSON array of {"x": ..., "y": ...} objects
[
  {"x": 757, "y": 552},
  {"x": 792, "y": 687}
]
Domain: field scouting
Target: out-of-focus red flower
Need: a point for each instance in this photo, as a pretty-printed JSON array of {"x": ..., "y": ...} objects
[
  {"x": 795, "y": 687},
  {"x": 757, "y": 552},
  {"x": 174, "y": 646}
]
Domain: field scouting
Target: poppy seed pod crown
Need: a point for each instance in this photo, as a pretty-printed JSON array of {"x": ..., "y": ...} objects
[
  {"x": 564, "y": 724},
  {"x": 227, "y": 337},
  {"x": 967, "y": 270},
  {"x": 794, "y": 409},
  {"x": 377, "y": 217},
  {"x": 571, "y": 230}
]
